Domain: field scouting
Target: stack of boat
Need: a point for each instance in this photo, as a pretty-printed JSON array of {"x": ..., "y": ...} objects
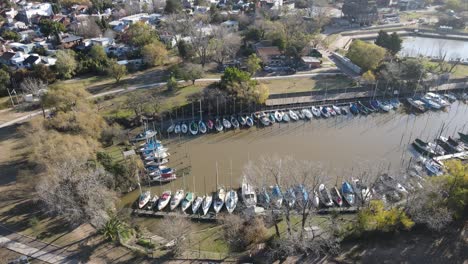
[
  {"x": 441, "y": 146},
  {"x": 155, "y": 157},
  {"x": 432, "y": 101}
]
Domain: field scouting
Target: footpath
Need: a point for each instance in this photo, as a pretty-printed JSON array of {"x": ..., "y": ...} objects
[{"x": 34, "y": 248}]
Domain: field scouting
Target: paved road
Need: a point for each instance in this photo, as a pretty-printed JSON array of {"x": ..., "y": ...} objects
[
  {"x": 34, "y": 248},
  {"x": 158, "y": 84}
]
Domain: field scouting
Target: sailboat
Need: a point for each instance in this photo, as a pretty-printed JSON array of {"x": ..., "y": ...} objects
[
  {"x": 290, "y": 198},
  {"x": 164, "y": 200},
  {"x": 210, "y": 124},
  {"x": 176, "y": 199},
  {"x": 226, "y": 123},
  {"x": 171, "y": 128},
  {"x": 193, "y": 128},
  {"x": 316, "y": 199},
  {"x": 234, "y": 122},
  {"x": 177, "y": 129},
  {"x": 220, "y": 195},
  {"x": 242, "y": 120},
  {"x": 196, "y": 203},
  {"x": 248, "y": 194},
  {"x": 249, "y": 121},
  {"x": 336, "y": 196},
  {"x": 218, "y": 125},
  {"x": 184, "y": 128},
  {"x": 325, "y": 196},
  {"x": 188, "y": 200},
  {"x": 277, "y": 196},
  {"x": 144, "y": 199},
  {"x": 202, "y": 127},
  {"x": 278, "y": 116},
  {"x": 348, "y": 193},
  {"x": 315, "y": 111},
  {"x": 207, "y": 200},
  {"x": 231, "y": 197}
]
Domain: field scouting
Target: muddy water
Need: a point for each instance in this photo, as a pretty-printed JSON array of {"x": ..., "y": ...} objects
[{"x": 340, "y": 145}]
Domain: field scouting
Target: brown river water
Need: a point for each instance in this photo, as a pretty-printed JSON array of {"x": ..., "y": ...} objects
[{"x": 339, "y": 145}]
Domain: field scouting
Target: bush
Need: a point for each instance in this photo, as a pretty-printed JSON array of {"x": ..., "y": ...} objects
[
  {"x": 377, "y": 218},
  {"x": 240, "y": 233}
]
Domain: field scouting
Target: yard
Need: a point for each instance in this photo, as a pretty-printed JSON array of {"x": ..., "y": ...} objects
[{"x": 305, "y": 84}]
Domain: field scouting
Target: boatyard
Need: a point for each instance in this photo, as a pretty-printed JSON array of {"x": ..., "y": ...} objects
[{"x": 421, "y": 149}]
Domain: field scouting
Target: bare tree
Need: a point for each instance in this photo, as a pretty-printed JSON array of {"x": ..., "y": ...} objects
[
  {"x": 86, "y": 27},
  {"x": 177, "y": 231},
  {"x": 224, "y": 44},
  {"x": 37, "y": 88},
  {"x": 78, "y": 193},
  {"x": 180, "y": 25},
  {"x": 200, "y": 39},
  {"x": 427, "y": 206}
]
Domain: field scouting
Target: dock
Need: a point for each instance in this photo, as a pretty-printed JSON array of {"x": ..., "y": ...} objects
[
  {"x": 211, "y": 216},
  {"x": 459, "y": 155}
]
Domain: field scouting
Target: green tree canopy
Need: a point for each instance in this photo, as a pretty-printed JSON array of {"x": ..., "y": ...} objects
[
  {"x": 140, "y": 34},
  {"x": 238, "y": 84},
  {"x": 366, "y": 55},
  {"x": 66, "y": 63},
  {"x": 390, "y": 42},
  {"x": 11, "y": 35},
  {"x": 253, "y": 64},
  {"x": 173, "y": 6},
  {"x": 49, "y": 27},
  {"x": 4, "y": 81},
  {"x": 154, "y": 53},
  {"x": 116, "y": 70}
]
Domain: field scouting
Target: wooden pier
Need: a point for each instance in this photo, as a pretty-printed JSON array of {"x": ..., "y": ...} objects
[
  {"x": 459, "y": 155},
  {"x": 211, "y": 216}
]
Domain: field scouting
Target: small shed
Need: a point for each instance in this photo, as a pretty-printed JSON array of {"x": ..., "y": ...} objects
[{"x": 311, "y": 62}]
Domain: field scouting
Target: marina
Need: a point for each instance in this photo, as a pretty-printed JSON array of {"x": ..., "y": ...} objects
[{"x": 299, "y": 139}]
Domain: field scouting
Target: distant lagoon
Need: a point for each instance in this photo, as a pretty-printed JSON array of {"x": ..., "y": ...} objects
[{"x": 432, "y": 47}]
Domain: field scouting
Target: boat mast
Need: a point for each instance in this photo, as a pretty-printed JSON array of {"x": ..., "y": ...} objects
[
  {"x": 217, "y": 174},
  {"x": 200, "y": 111}
]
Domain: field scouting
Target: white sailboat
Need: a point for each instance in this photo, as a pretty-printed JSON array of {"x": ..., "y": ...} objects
[{"x": 248, "y": 193}]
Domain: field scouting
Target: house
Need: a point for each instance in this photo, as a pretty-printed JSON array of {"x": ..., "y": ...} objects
[
  {"x": 117, "y": 50},
  {"x": 70, "y": 41},
  {"x": 311, "y": 62},
  {"x": 31, "y": 60},
  {"x": 102, "y": 41},
  {"x": 363, "y": 12},
  {"x": 6, "y": 58},
  {"x": 270, "y": 56},
  {"x": 230, "y": 25},
  {"x": 31, "y": 10},
  {"x": 27, "y": 35},
  {"x": 141, "y": 17},
  {"x": 48, "y": 61}
]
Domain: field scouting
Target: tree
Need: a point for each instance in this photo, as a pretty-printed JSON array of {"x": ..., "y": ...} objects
[
  {"x": 186, "y": 51},
  {"x": 453, "y": 4},
  {"x": 49, "y": 27},
  {"x": 37, "y": 88},
  {"x": 154, "y": 54},
  {"x": 238, "y": 84},
  {"x": 390, "y": 42},
  {"x": 73, "y": 113},
  {"x": 177, "y": 231},
  {"x": 140, "y": 34},
  {"x": 240, "y": 233},
  {"x": 224, "y": 45},
  {"x": 191, "y": 72},
  {"x": 376, "y": 217},
  {"x": 66, "y": 63},
  {"x": 366, "y": 55},
  {"x": 201, "y": 44},
  {"x": 116, "y": 70},
  {"x": 98, "y": 59},
  {"x": 78, "y": 193},
  {"x": 173, "y": 6},
  {"x": 88, "y": 27},
  {"x": 11, "y": 35},
  {"x": 368, "y": 77},
  {"x": 172, "y": 83},
  {"x": 253, "y": 64},
  {"x": 44, "y": 73},
  {"x": 4, "y": 81}
]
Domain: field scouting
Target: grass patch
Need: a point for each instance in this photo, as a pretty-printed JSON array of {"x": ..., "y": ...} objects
[
  {"x": 5, "y": 102},
  {"x": 115, "y": 152},
  {"x": 209, "y": 240},
  {"x": 115, "y": 107},
  {"x": 305, "y": 84}
]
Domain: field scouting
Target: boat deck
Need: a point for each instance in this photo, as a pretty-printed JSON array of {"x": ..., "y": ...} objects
[{"x": 458, "y": 155}]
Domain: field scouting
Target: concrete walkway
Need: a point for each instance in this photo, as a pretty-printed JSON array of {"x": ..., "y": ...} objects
[{"x": 34, "y": 248}]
